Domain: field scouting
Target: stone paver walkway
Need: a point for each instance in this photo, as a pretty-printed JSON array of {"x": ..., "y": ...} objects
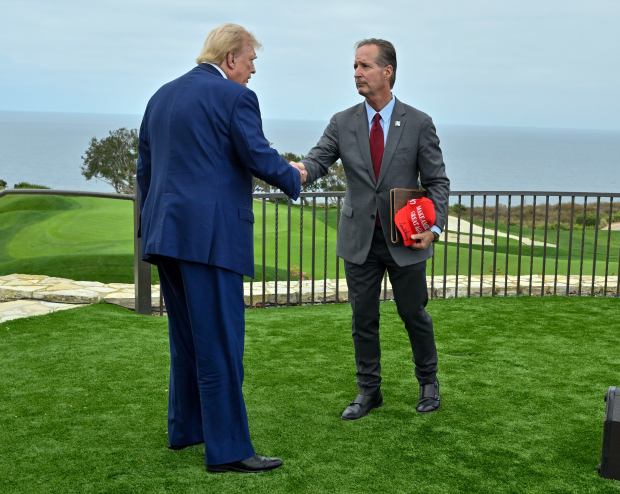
[
  {"x": 26, "y": 308},
  {"x": 25, "y": 295},
  {"x": 32, "y": 295}
]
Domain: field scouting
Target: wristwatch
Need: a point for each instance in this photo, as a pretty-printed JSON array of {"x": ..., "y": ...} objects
[{"x": 435, "y": 236}]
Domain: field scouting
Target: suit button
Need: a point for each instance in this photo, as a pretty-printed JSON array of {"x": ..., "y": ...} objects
[{"x": 372, "y": 216}]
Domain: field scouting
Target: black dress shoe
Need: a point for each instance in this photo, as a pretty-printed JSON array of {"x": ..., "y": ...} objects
[
  {"x": 429, "y": 398},
  {"x": 362, "y": 405},
  {"x": 253, "y": 464}
]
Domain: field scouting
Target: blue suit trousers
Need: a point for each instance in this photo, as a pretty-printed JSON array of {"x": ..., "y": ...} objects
[{"x": 207, "y": 330}]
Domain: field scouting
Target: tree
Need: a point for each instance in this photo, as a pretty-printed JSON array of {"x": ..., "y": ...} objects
[
  {"x": 113, "y": 160},
  {"x": 2, "y": 184},
  {"x": 334, "y": 181}
]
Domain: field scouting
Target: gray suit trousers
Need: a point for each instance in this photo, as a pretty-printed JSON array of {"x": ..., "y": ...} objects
[{"x": 410, "y": 293}]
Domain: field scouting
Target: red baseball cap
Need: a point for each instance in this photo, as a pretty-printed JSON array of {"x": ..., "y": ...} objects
[{"x": 417, "y": 216}]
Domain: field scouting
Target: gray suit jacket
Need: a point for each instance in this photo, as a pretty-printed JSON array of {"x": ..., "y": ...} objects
[{"x": 412, "y": 158}]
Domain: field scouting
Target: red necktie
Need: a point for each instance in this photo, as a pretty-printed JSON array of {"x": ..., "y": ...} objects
[{"x": 376, "y": 144}]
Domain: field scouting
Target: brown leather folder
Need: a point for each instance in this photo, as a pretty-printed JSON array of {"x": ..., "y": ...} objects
[{"x": 398, "y": 199}]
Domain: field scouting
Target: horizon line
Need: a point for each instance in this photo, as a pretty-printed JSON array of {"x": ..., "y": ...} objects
[{"x": 451, "y": 124}]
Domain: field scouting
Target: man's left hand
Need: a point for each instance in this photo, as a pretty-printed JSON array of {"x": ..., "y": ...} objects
[{"x": 422, "y": 240}]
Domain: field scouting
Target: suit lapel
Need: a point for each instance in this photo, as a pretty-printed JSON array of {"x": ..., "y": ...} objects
[
  {"x": 397, "y": 124},
  {"x": 361, "y": 132}
]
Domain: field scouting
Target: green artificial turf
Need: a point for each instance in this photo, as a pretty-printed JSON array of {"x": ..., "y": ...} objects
[{"x": 83, "y": 405}]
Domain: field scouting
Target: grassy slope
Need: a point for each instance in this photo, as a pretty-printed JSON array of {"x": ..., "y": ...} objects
[
  {"x": 84, "y": 402},
  {"x": 78, "y": 238},
  {"x": 86, "y": 238}
]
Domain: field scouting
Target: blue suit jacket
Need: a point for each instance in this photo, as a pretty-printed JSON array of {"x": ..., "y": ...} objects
[{"x": 201, "y": 140}]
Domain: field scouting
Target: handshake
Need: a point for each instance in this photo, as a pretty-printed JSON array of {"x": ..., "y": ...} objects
[{"x": 302, "y": 170}]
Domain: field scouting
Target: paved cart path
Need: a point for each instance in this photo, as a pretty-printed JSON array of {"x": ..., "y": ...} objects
[{"x": 488, "y": 233}]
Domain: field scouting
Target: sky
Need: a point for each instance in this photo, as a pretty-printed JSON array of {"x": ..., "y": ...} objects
[{"x": 543, "y": 63}]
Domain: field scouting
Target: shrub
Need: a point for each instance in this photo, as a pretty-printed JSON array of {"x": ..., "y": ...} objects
[
  {"x": 589, "y": 220},
  {"x": 457, "y": 209},
  {"x": 26, "y": 185}
]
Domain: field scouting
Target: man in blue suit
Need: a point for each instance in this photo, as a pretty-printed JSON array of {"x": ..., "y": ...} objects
[{"x": 201, "y": 141}]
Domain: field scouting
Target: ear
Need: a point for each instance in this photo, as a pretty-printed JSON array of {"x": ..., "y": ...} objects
[
  {"x": 230, "y": 60},
  {"x": 388, "y": 70}
]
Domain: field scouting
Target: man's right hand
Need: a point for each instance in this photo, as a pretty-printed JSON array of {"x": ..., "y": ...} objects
[{"x": 302, "y": 170}]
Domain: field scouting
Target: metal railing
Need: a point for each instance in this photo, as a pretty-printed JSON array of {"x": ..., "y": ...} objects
[
  {"x": 495, "y": 243},
  {"x": 539, "y": 241}
]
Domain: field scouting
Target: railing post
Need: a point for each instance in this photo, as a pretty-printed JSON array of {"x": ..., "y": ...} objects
[{"x": 141, "y": 269}]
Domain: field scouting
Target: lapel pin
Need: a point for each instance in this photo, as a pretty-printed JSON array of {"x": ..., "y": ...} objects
[{"x": 397, "y": 123}]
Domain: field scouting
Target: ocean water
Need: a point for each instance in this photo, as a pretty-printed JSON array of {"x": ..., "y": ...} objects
[{"x": 46, "y": 149}]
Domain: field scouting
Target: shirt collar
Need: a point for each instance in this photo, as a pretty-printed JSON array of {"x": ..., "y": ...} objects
[
  {"x": 219, "y": 69},
  {"x": 386, "y": 113}
]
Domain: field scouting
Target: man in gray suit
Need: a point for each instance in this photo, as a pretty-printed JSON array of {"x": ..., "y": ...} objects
[{"x": 384, "y": 144}]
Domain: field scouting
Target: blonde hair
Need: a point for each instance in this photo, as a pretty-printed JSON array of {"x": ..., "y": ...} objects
[{"x": 225, "y": 39}]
